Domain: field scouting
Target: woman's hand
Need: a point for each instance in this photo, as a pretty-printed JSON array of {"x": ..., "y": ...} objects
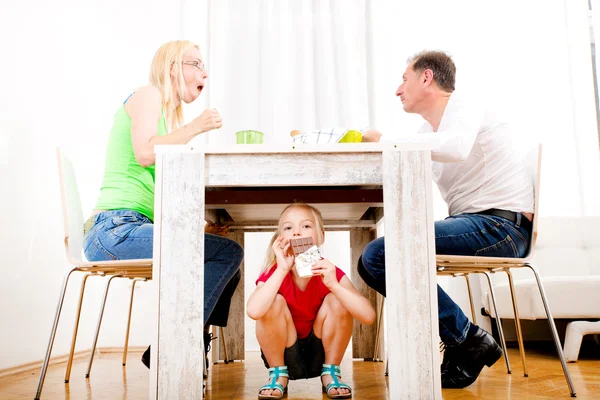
[
  {"x": 283, "y": 251},
  {"x": 326, "y": 269},
  {"x": 208, "y": 120},
  {"x": 216, "y": 229}
]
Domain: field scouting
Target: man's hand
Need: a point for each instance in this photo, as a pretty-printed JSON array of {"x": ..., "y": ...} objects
[{"x": 371, "y": 135}]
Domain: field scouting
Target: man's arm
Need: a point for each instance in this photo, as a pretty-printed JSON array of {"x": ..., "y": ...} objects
[{"x": 457, "y": 132}]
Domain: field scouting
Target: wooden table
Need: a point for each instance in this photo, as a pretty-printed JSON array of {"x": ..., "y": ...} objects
[{"x": 192, "y": 181}]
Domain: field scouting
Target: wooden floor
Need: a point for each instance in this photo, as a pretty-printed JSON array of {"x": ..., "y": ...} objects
[{"x": 241, "y": 380}]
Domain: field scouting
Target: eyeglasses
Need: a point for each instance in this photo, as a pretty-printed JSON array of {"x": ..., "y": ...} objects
[{"x": 196, "y": 63}]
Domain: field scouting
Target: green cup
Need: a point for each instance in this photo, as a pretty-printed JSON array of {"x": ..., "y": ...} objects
[
  {"x": 351, "y": 136},
  {"x": 249, "y": 137}
]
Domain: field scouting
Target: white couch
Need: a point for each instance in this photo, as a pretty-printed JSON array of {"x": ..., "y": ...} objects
[{"x": 567, "y": 256}]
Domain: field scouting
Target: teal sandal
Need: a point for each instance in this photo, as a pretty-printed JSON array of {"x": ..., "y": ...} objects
[
  {"x": 334, "y": 371},
  {"x": 275, "y": 373}
]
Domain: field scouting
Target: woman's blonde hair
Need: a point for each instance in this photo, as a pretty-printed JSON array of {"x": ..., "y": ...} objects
[
  {"x": 170, "y": 55},
  {"x": 271, "y": 258}
]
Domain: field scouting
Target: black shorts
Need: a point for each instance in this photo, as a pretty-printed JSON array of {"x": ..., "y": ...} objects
[{"x": 304, "y": 359}]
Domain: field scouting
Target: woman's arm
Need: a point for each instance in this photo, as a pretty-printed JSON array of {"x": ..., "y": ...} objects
[
  {"x": 261, "y": 299},
  {"x": 145, "y": 110},
  {"x": 357, "y": 305}
]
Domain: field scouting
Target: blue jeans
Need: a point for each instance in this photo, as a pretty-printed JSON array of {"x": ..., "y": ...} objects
[
  {"x": 127, "y": 234},
  {"x": 464, "y": 234}
]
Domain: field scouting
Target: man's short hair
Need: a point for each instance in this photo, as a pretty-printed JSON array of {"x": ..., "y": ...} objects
[{"x": 444, "y": 70}]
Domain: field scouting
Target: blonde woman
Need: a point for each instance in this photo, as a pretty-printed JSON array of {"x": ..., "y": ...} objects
[
  {"x": 304, "y": 324},
  {"x": 121, "y": 226}
]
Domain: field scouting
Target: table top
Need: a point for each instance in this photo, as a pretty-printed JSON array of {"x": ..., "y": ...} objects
[
  {"x": 410, "y": 142},
  {"x": 256, "y": 204}
]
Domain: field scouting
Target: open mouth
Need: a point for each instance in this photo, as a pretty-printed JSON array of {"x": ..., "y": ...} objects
[{"x": 200, "y": 87}]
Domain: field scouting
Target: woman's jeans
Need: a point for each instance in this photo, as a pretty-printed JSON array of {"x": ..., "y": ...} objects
[
  {"x": 464, "y": 234},
  {"x": 127, "y": 234}
]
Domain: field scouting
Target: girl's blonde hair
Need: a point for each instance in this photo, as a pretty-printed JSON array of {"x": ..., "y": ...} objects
[
  {"x": 270, "y": 257},
  {"x": 170, "y": 55}
]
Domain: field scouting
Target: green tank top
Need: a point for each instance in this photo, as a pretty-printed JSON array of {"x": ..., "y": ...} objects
[{"x": 126, "y": 184}]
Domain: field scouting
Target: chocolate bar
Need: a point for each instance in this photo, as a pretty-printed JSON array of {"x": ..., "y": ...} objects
[{"x": 300, "y": 245}]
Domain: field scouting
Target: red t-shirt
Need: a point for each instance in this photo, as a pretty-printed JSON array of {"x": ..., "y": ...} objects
[{"x": 303, "y": 305}]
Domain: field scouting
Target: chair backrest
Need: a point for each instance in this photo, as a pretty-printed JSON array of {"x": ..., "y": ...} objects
[
  {"x": 533, "y": 162},
  {"x": 71, "y": 208}
]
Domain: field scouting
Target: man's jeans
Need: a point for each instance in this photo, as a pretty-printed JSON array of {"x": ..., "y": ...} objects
[
  {"x": 127, "y": 234},
  {"x": 465, "y": 234}
]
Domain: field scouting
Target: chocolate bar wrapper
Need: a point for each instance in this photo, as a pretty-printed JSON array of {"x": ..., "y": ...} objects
[{"x": 306, "y": 260}]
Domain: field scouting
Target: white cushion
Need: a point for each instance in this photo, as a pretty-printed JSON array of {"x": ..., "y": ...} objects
[
  {"x": 568, "y": 297},
  {"x": 567, "y": 256}
]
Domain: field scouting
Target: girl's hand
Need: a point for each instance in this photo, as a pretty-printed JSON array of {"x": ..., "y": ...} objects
[
  {"x": 326, "y": 269},
  {"x": 283, "y": 251},
  {"x": 208, "y": 120}
]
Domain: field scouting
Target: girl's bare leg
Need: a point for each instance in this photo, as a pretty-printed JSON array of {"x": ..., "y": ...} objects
[
  {"x": 334, "y": 326},
  {"x": 275, "y": 331}
]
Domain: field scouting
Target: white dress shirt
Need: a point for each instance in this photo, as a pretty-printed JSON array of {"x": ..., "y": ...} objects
[{"x": 479, "y": 164}]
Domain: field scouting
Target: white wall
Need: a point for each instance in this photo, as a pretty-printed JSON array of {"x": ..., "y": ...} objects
[{"x": 66, "y": 67}]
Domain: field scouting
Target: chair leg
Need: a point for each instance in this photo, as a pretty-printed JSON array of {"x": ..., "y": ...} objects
[
  {"x": 75, "y": 329},
  {"x": 53, "y": 334},
  {"x": 128, "y": 323},
  {"x": 222, "y": 334},
  {"x": 378, "y": 331},
  {"x": 498, "y": 322},
  {"x": 470, "y": 298},
  {"x": 87, "y": 375},
  {"x": 553, "y": 330},
  {"x": 517, "y": 321}
]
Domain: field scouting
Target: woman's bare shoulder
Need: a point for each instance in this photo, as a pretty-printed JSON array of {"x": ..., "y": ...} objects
[{"x": 144, "y": 98}]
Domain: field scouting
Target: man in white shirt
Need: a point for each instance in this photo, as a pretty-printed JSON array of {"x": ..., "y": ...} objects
[{"x": 483, "y": 178}]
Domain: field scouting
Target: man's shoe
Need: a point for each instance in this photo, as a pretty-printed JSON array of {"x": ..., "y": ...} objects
[
  {"x": 463, "y": 363},
  {"x": 146, "y": 357}
]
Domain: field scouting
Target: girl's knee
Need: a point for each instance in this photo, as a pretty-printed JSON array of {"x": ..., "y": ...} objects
[
  {"x": 278, "y": 309},
  {"x": 335, "y": 307}
]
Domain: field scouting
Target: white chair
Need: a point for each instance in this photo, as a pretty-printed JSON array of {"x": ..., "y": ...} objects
[
  {"x": 135, "y": 270},
  {"x": 464, "y": 265}
]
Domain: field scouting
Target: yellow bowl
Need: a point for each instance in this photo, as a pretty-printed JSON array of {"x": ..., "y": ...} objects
[{"x": 351, "y": 136}]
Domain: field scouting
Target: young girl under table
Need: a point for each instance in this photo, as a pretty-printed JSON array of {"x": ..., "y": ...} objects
[{"x": 304, "y": 324}]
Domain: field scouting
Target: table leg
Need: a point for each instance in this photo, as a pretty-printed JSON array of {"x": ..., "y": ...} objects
[
  {"x": 234, "y": 332},
  {"x": 177, "y": 354},
  {"x": 411, "y": 304},
  {"x": 363, "y": 336}
]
